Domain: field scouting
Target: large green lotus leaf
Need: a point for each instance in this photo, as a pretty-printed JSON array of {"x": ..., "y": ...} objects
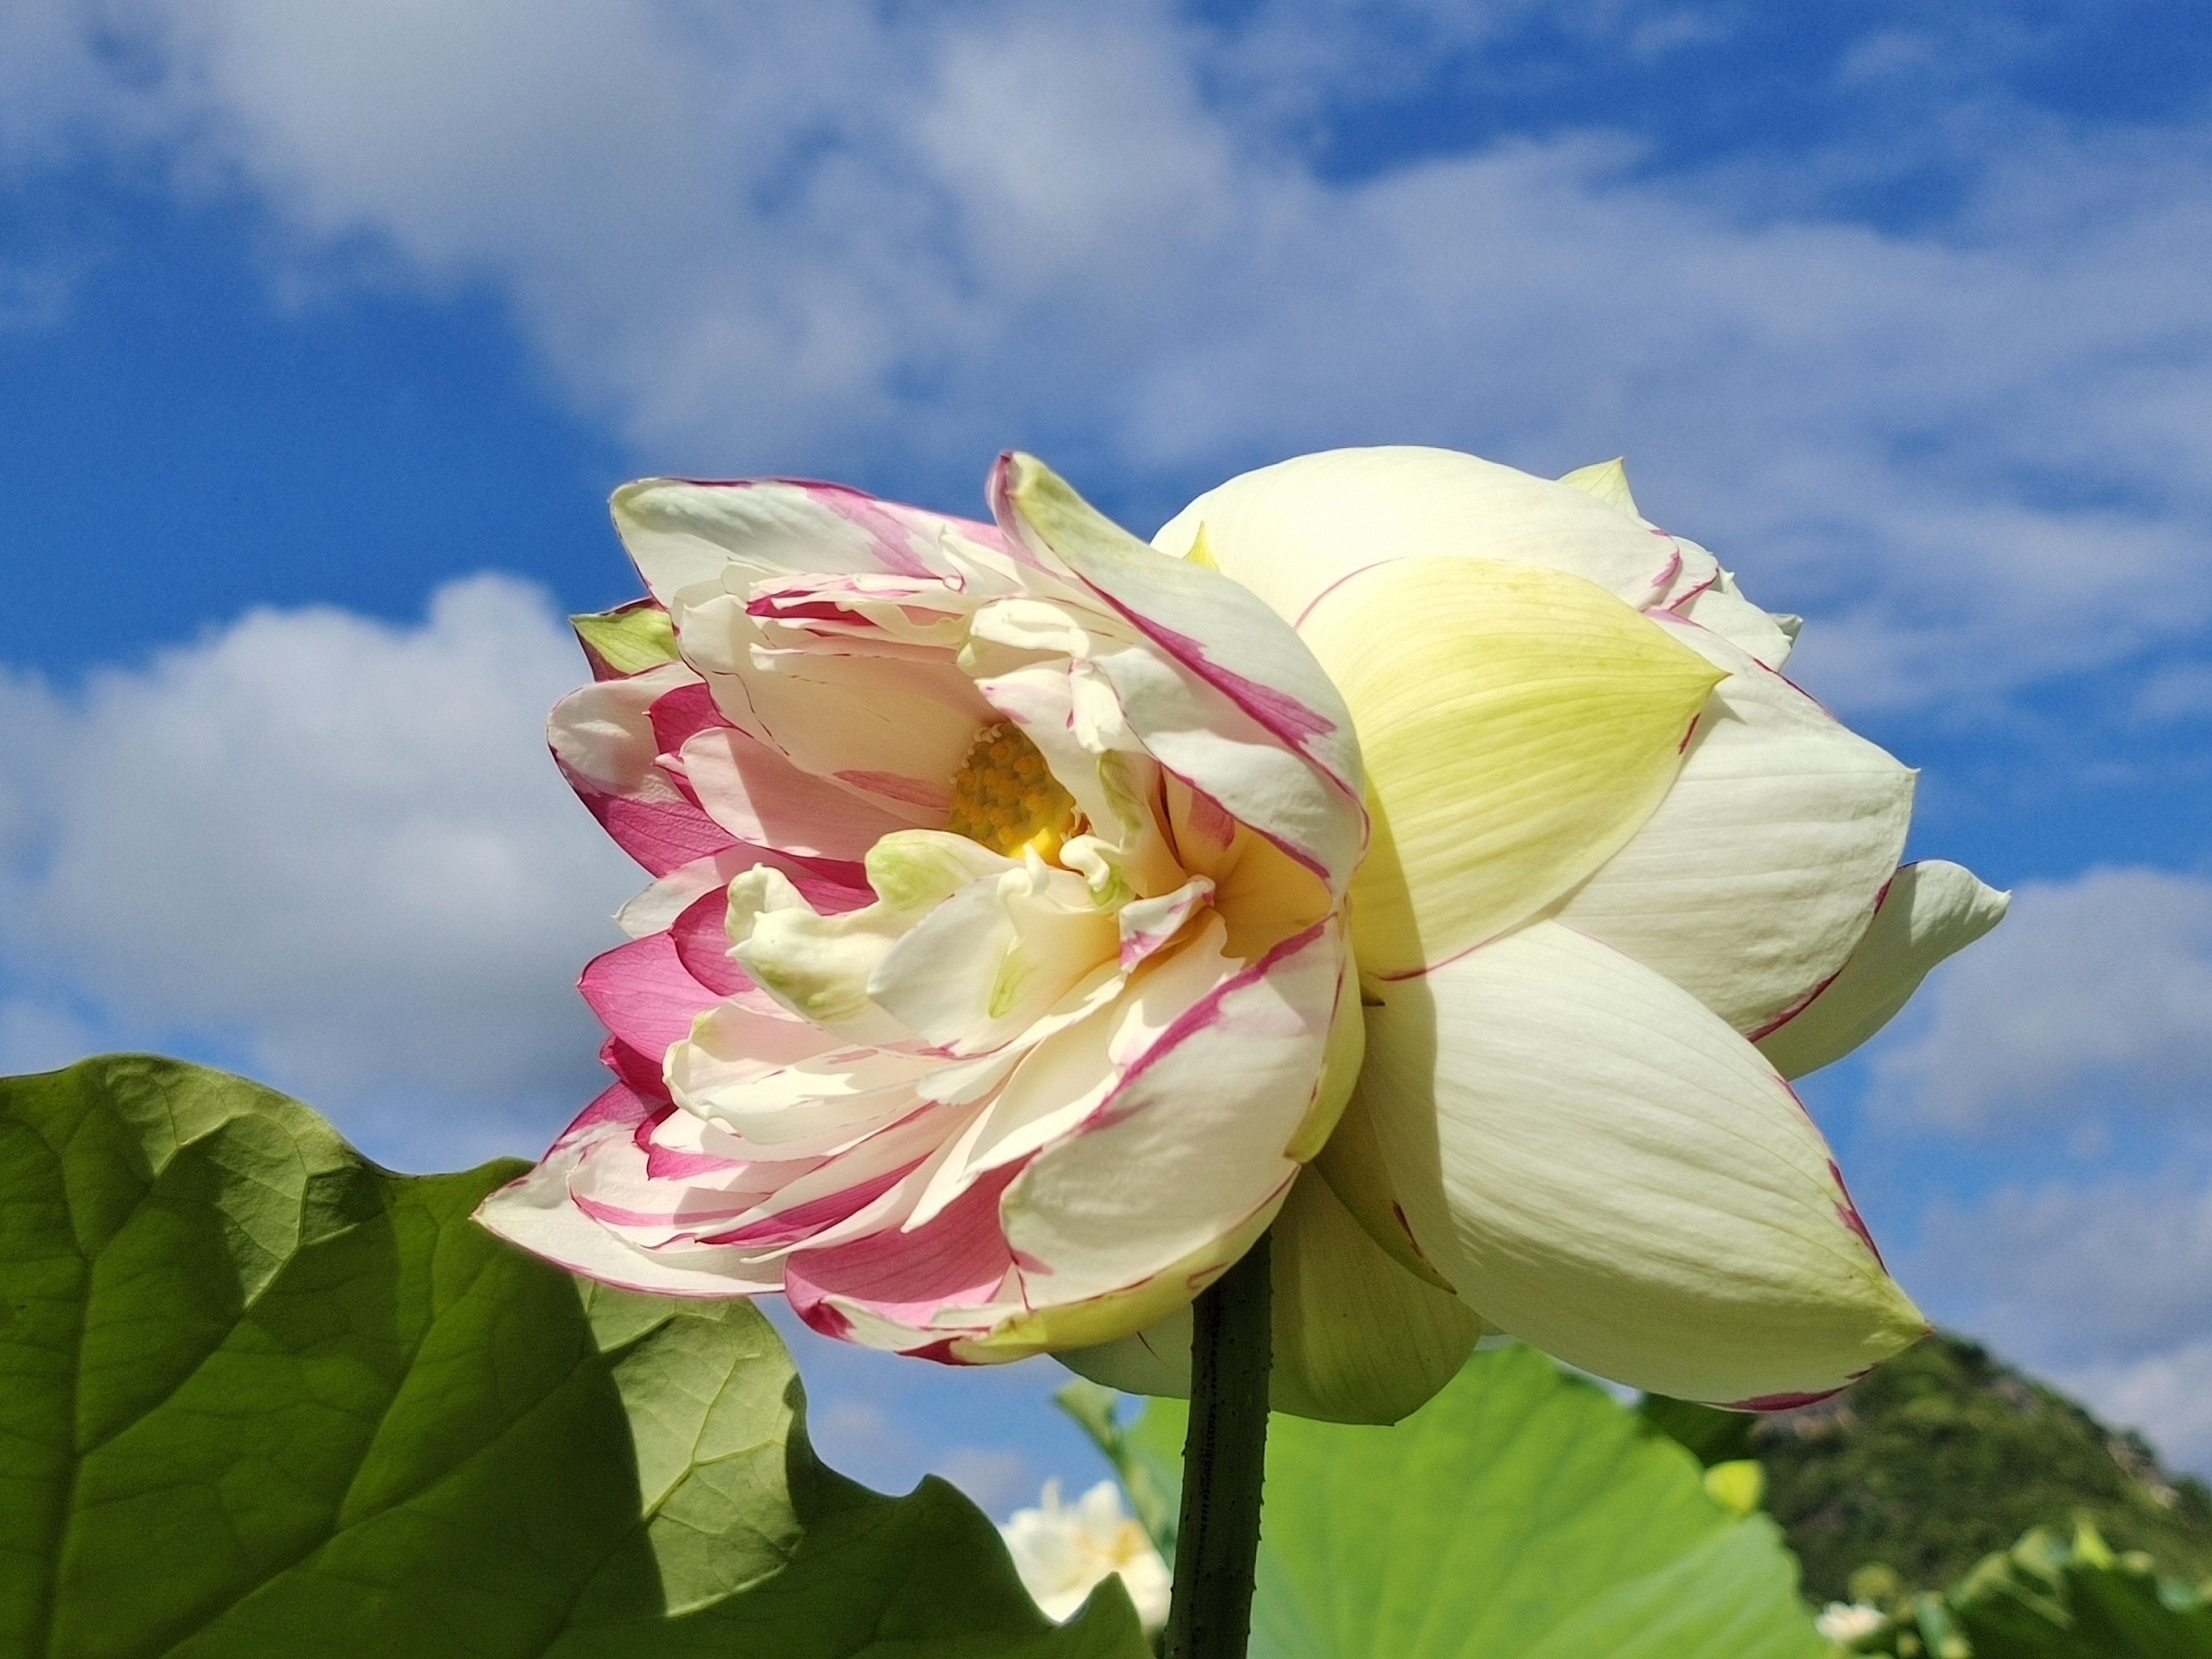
[
  {"x": 1521, "y": 1514},
  {"x": 259, "y": 1397}
]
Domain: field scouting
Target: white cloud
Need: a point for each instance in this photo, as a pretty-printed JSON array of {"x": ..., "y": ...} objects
[
  {"x": 2104, "y": 1287},
  {"x": 804, "y": 235},
  {"x": 2168, "y": 1396},
  {"x": 2095, "y": 996},
  {"x": 333, "y": 846}
]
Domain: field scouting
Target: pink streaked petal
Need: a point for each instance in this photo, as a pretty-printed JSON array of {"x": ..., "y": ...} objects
[
  {"x": 638, "y": 1071},
  {"x": 959, "y": 1260},
  {"x": 674, "y": 526},
  {"x": 689, "y": 1210},
  {"x": 803, "y": 1221},
  {"x": 760, "y": 797},
  {"x": 603, "y": 732},
  {"x": 661, "y": 1164},
  {"x": 681, "y": 715},
  {"x": 1242, "y": 648},
  {"x": 616, "y": 1109},
  {"x": 539, "y": 1212},
  {"x": 1148, "y": 925},
  {"x": 825, "y": 881},
  {"x": 642, "y": 993},
  {"x": 903, "y": 537},
  {"x": 1193, "y": 1137},
  {"x": 662, "y": 836},
  {"x": 884, "y": 1170}
]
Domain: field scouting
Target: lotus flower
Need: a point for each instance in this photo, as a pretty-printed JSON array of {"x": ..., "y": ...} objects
[
  {"x": 1022, "y": 944},
  {"x": 1064, "y": 1551}
]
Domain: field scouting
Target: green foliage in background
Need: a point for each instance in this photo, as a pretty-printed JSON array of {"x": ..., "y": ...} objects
[
  {"x": 259, "y": 1397},
  {"x": 1941, "y": 1458},
  {"x": 2044, "y": 1599},
  {"x": 1522, "y": 1514}
]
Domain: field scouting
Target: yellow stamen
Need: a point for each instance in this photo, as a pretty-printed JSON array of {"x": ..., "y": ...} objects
[{"x": 1005, "y": 797}]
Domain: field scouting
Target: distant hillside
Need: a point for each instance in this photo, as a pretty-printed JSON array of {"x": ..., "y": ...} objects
[{"x": 1943, "y": 1455}]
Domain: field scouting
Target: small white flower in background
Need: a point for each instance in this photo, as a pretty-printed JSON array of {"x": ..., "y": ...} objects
[
  {"x": 1844, "y": 1622},
  {"x": 1062, "y": 1551}
]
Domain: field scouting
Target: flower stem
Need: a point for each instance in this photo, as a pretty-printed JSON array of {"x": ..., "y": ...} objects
[{"x": 1224, "y": 1463}]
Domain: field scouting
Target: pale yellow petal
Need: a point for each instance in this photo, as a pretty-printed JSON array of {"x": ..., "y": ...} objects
[
  {"x": 1608, "y": 481},
  {"x": 1519, "y": 725}
]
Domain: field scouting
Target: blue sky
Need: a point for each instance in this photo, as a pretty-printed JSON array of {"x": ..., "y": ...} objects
[{"x": 324, "y": 333}]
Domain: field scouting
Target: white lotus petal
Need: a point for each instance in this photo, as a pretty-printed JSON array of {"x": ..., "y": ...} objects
[
  {"x": 1291, "y": 531},
  {"x": 1603, "y": 1167},
  {"x": 1928, "y": 911},
  {"x": 1755, "y": 875}
]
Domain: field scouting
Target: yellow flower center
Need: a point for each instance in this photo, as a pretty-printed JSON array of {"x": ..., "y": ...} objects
[{"x": 1005, "y": 797}]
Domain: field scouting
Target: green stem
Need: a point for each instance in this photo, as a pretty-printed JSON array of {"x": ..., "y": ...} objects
[{"x": 1224, "y": 1463}]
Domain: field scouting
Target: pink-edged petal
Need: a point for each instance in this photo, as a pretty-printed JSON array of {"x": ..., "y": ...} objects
[
  {"x": 957, "y": 1261},
  {"x": 830, "y": 885},
  {"x": 604, "y": 738},
  {"x": 683, "y": 533},
  {"x": 1767, "y": 639},
  {"x": 1600, "y": 1166},
  {"x": 602, "y": 733},
  {"x": 1147, "y": 926},
  {"x": 538, "y": 1213},
  {"x": 1190, "y": 1143},
  {"x": 1069, "y": 1063},
  {"x": 1928, "y": 911},
  {"x": 1222, "y": 693},
  {"x": 892, "y": 726},
  {"x": 1756, "y": 875}
]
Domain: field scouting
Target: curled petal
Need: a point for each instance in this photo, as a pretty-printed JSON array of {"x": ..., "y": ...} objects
[
  {"x": 539, "y": 1212},
  {"x": 1227, "y": 698},
  {"x": 1767, "y": 640},
  {"x": 992, "y": 959},
  {"x": 1926, "y": 912},
  {"x": 1604, "y": 1169},
  {"x": 1753, "y": 879},
  {"x": 1519, "y": 726},
  {"x": 605, "y": 740},
  {"x": 682, "y": 534}
]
